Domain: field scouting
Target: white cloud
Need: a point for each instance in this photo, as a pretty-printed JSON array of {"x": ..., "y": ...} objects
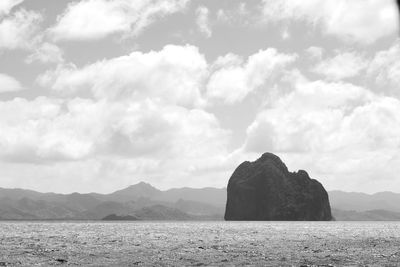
[
  {"x": 233, "y": 80},
  {"x": 385, "y": 68},
  {"x": 304, "y": 120},
  {"x": 9, "y": 84},
  {"x": 343, "y": 65},
  {"x": 144, "y": 137},
  {"x": 363, "y": 21},
  {"x": 46, "y": 53},
  {"x": 239, "y": 13},
  {"x": 315, "y": 52},
  {"x": 96, "y": 19},
  {"x": 176, "y": 74},
  {"x": 203, "y": 22},
  {"x": 19, "y": 30},
  {"x": 7, "y": 5},
  {"x": 173, "y": 74},
  {"x": 144, "y": 119},
  {"x": 336, "y": 131}
]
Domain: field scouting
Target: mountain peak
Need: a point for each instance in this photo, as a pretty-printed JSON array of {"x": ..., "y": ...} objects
[
  {"x": 272, "y": 160},
  {"x": 142, "y": 184},
  {"x": 133, "y": 192}
]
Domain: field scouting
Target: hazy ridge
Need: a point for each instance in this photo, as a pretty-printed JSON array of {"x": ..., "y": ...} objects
[{"x": 146, "y": 202}]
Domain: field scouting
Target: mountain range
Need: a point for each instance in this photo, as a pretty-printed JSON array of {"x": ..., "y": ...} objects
[
  {"x": 145, "y": 202},
  {"x": 142, "y": 201}
]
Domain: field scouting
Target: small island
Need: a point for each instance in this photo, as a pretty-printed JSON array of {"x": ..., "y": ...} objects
[{"x": 114, "y": 217}]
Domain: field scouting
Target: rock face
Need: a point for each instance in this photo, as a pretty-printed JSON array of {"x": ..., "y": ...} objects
[
  {"x": 398, "y": 4},
  {"x": 265, "y": 190}
]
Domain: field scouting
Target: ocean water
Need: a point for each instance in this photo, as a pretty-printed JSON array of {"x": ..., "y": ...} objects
[{"x": 200, "y": 243}]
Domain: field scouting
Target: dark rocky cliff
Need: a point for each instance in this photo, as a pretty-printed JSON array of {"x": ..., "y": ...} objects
[{"x": 265, "y": 190}]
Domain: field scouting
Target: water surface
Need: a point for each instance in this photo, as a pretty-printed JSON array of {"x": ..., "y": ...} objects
[{"x": 200, "y": 243}]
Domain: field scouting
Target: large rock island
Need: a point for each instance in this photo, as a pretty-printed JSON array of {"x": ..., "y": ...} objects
[{"x": 265, "y": 190}]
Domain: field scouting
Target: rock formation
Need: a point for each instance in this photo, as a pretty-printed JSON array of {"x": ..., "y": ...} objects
[
  {"x": 265, "y": 190},
  {"x": 398, "y": 4}
]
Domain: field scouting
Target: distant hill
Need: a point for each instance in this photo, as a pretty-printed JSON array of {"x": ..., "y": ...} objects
[
  {"x": 211, "y": 196},
  {"x": 369, "y": 215},
  {"x": 160, "y": 212},
  {"x": 177, "y": 204},
  {"x": 33, "y": 209},
  {"x": 106, "y": 208},
  {"x": 131, "y": 193},
  {"x": 141, "y": 200},
  {"x": 362, "y": 202},
  {"x": 197, "y": 208}
]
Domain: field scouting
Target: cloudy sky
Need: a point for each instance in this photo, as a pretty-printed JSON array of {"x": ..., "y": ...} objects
[{"x": 96, "y": 95}]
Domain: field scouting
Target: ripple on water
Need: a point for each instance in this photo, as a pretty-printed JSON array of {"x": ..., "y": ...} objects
[{"x": 199, "y": 243}]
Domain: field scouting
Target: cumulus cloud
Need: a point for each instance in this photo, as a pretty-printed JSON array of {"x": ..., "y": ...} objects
[
  {"x": 176, "y": 74},
  {"x": 306, "y": 118},
  {"x": 362, "y": 21},
  {"x": 173, "y": 74},
  {"x": 343, "y": 65},
  {"x": 202, "y": 21},
  {"x": 164, "y": 131},
  {"x": 19, "y": 30},
  {"x": 7, "y": 5},
  {"x": 335, "y": 130},
  {"x": 96, "y": 19},
  {"x": 9, "y": 84},
  {"x": 48, "y": 130},
  {"x": 22, "y": 30},
  {"x": 140, "y": 114},
  {"x": 234, "y": 79},
  {"x": 384, "y": 68}
]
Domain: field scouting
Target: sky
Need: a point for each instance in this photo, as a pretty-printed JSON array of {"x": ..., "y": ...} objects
[{"x": 96, "y": 95}]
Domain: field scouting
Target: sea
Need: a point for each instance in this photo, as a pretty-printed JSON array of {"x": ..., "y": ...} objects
[{"x": 150, "y": 243}]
